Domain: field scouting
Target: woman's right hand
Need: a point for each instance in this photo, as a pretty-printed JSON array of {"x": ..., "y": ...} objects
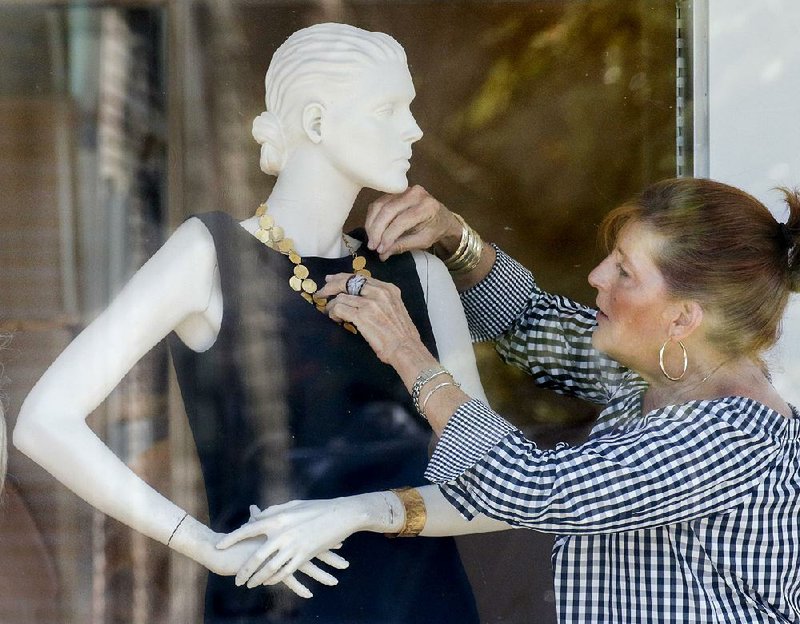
[{"x": 410, "y": 220}]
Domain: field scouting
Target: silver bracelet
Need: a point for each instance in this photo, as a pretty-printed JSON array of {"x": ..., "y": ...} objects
[
  {"x": 434, "y": 389},
  {"x": 424, "y": 377}
]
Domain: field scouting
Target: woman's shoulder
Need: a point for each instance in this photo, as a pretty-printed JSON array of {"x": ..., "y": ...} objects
[{"x": 741, "y": 413}]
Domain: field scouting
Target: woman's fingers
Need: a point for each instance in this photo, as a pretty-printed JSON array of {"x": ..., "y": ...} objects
[
  {"x": 297, "y": 587},
  {"x": 334, "y": 560},
  {"x": 336, "y": 284},
  {"x": 393, "y": 219}
]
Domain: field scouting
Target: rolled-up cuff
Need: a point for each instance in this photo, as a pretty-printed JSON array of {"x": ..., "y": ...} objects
[
  {"x": 473, "y": 431},
  {"x": 493, "y": 304}
]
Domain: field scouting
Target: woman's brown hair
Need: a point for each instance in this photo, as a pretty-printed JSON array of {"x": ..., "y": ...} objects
[{"x": 722, "y": 248}]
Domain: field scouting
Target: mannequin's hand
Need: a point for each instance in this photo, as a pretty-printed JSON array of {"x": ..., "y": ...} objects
[
  {"x": 297, "y": 532},
  {"x": 413, "y": 219},
  {"x": 228, "y": 562},
  {"x": 378, "y": 313}
]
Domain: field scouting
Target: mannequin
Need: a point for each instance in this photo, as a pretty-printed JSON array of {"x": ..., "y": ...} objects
[{"x": 337, "y": 120}]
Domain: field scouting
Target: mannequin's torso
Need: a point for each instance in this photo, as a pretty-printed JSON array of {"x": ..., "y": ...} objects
[{"x": 199, "y": 328}]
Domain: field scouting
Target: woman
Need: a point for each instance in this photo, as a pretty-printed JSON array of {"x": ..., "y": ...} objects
[
  {"x": 683, "y": 504},
  {"x": 277, "y": 395}
]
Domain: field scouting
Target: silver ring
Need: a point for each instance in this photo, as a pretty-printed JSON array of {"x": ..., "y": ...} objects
[{"x": 354, "y": 285}]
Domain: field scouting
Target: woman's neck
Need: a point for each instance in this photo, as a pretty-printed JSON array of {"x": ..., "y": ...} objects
[
  {"x": 311, "y": 201},
  {"x": 734, "y": 377}
]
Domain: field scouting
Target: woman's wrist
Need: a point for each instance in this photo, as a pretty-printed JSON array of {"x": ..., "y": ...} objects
[
  {"x": 409, "y": 359},
  {"x": 448, "y": 243}
]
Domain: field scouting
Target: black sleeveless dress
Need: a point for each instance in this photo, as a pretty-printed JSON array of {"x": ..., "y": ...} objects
[{"x": 286, "y": 404}]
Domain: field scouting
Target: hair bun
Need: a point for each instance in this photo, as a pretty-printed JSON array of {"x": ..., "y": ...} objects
[{"x": 268, "y": 132}]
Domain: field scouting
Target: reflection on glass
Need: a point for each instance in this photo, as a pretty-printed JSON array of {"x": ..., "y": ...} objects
[{"x": 538, "y": 118}]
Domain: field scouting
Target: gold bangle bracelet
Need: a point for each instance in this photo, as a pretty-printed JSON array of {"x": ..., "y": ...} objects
[
  {"x": 468, "y": 254},
  {"x": 416, "y": 515}
]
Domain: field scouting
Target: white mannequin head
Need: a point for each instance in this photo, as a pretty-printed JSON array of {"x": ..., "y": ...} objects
[{"x": 346, "y": 92}]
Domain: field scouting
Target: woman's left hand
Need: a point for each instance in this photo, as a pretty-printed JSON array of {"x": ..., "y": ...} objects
[{"x": 378, "y": 313}]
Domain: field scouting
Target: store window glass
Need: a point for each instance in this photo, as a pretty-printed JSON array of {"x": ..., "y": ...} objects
[{"x": 119, "y": 122}]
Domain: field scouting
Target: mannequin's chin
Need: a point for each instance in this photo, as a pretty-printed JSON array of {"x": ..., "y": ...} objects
[{"x": 397, "y": 185}]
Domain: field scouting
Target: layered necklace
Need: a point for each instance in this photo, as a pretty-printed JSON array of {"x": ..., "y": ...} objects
[{"x": 272, "y": 235}]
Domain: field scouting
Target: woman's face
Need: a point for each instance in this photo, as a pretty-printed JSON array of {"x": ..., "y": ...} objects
[
  {"x": 368, "y": 133},
  {"x": 634, "y": 308}
]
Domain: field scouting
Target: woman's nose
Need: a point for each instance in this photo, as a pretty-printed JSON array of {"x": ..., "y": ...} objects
[{"x": 596, "y": 277}]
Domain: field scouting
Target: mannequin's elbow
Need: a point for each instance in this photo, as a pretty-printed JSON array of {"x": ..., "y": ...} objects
[{"x": 30, "y": 433}]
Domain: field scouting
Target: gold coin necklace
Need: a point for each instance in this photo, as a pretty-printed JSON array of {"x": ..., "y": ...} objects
[{"x": 272, "y": 236}]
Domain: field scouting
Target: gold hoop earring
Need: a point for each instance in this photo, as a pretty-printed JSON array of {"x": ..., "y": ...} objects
[{"x": 661, "y": 361}]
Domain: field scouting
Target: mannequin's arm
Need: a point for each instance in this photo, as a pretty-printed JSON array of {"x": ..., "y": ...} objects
[
  {"x": 173, "y": 285},
  {"x": 171, "y": 291},
  {"x": 449, "y": 324},
  {"x": 300, "y": 529}
]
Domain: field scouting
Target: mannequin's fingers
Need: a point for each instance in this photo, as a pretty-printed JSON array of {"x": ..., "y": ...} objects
[
  {"x": 271, "y": 568},
  {"x": 297, "y": 587},
  {"x": 255, "y": 561},
  {"x": 281, "y": 574},
  {"x": 253, "y": 528},
  {"x": 318, "y": 574},
  {"x": 334, "y": 560},
  {"x": 276, "y": 570},
  {"x": 273, "y": 510}
]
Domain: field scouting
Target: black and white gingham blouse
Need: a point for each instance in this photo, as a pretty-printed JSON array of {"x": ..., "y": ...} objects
[{"x": 690, "y": 513}]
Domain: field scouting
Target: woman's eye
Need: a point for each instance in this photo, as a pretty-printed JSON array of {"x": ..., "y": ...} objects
[{"x": 622, "y": 272}]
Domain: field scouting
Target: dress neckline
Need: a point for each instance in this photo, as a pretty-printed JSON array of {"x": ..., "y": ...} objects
[{"x": 357, "y": 234}]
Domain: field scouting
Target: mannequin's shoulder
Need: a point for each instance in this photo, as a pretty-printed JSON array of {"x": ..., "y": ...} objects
[
  {"x": 431, "y": 268},
  {"x": 190, "y": 243},
  {"x": 186, "y": 260}
]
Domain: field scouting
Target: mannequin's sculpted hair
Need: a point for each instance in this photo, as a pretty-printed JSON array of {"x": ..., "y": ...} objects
[{"x": 313, "y": 64}]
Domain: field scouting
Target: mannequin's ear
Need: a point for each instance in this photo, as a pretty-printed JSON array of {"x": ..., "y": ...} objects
[
  {"x": 312, "y": 121},
  {"x": 687, "y": 317}
]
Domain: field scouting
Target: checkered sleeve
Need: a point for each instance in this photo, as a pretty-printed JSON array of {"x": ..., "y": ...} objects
[
  {"x": 494, "y": 304},
  {"x": 546, "y": 335},
  {"x": 684, "y": 462}
]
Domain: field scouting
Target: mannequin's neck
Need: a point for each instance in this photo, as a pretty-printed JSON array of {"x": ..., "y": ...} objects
[{"x": 311, "y": 201}]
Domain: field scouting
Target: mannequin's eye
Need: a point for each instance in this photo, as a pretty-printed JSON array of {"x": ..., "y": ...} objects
[{"x": 385, "y": 111}]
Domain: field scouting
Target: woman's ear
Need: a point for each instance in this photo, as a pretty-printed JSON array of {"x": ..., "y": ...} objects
[
  {"x": 312, "y": 121},
  {"x": 687, "y": 317}
]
